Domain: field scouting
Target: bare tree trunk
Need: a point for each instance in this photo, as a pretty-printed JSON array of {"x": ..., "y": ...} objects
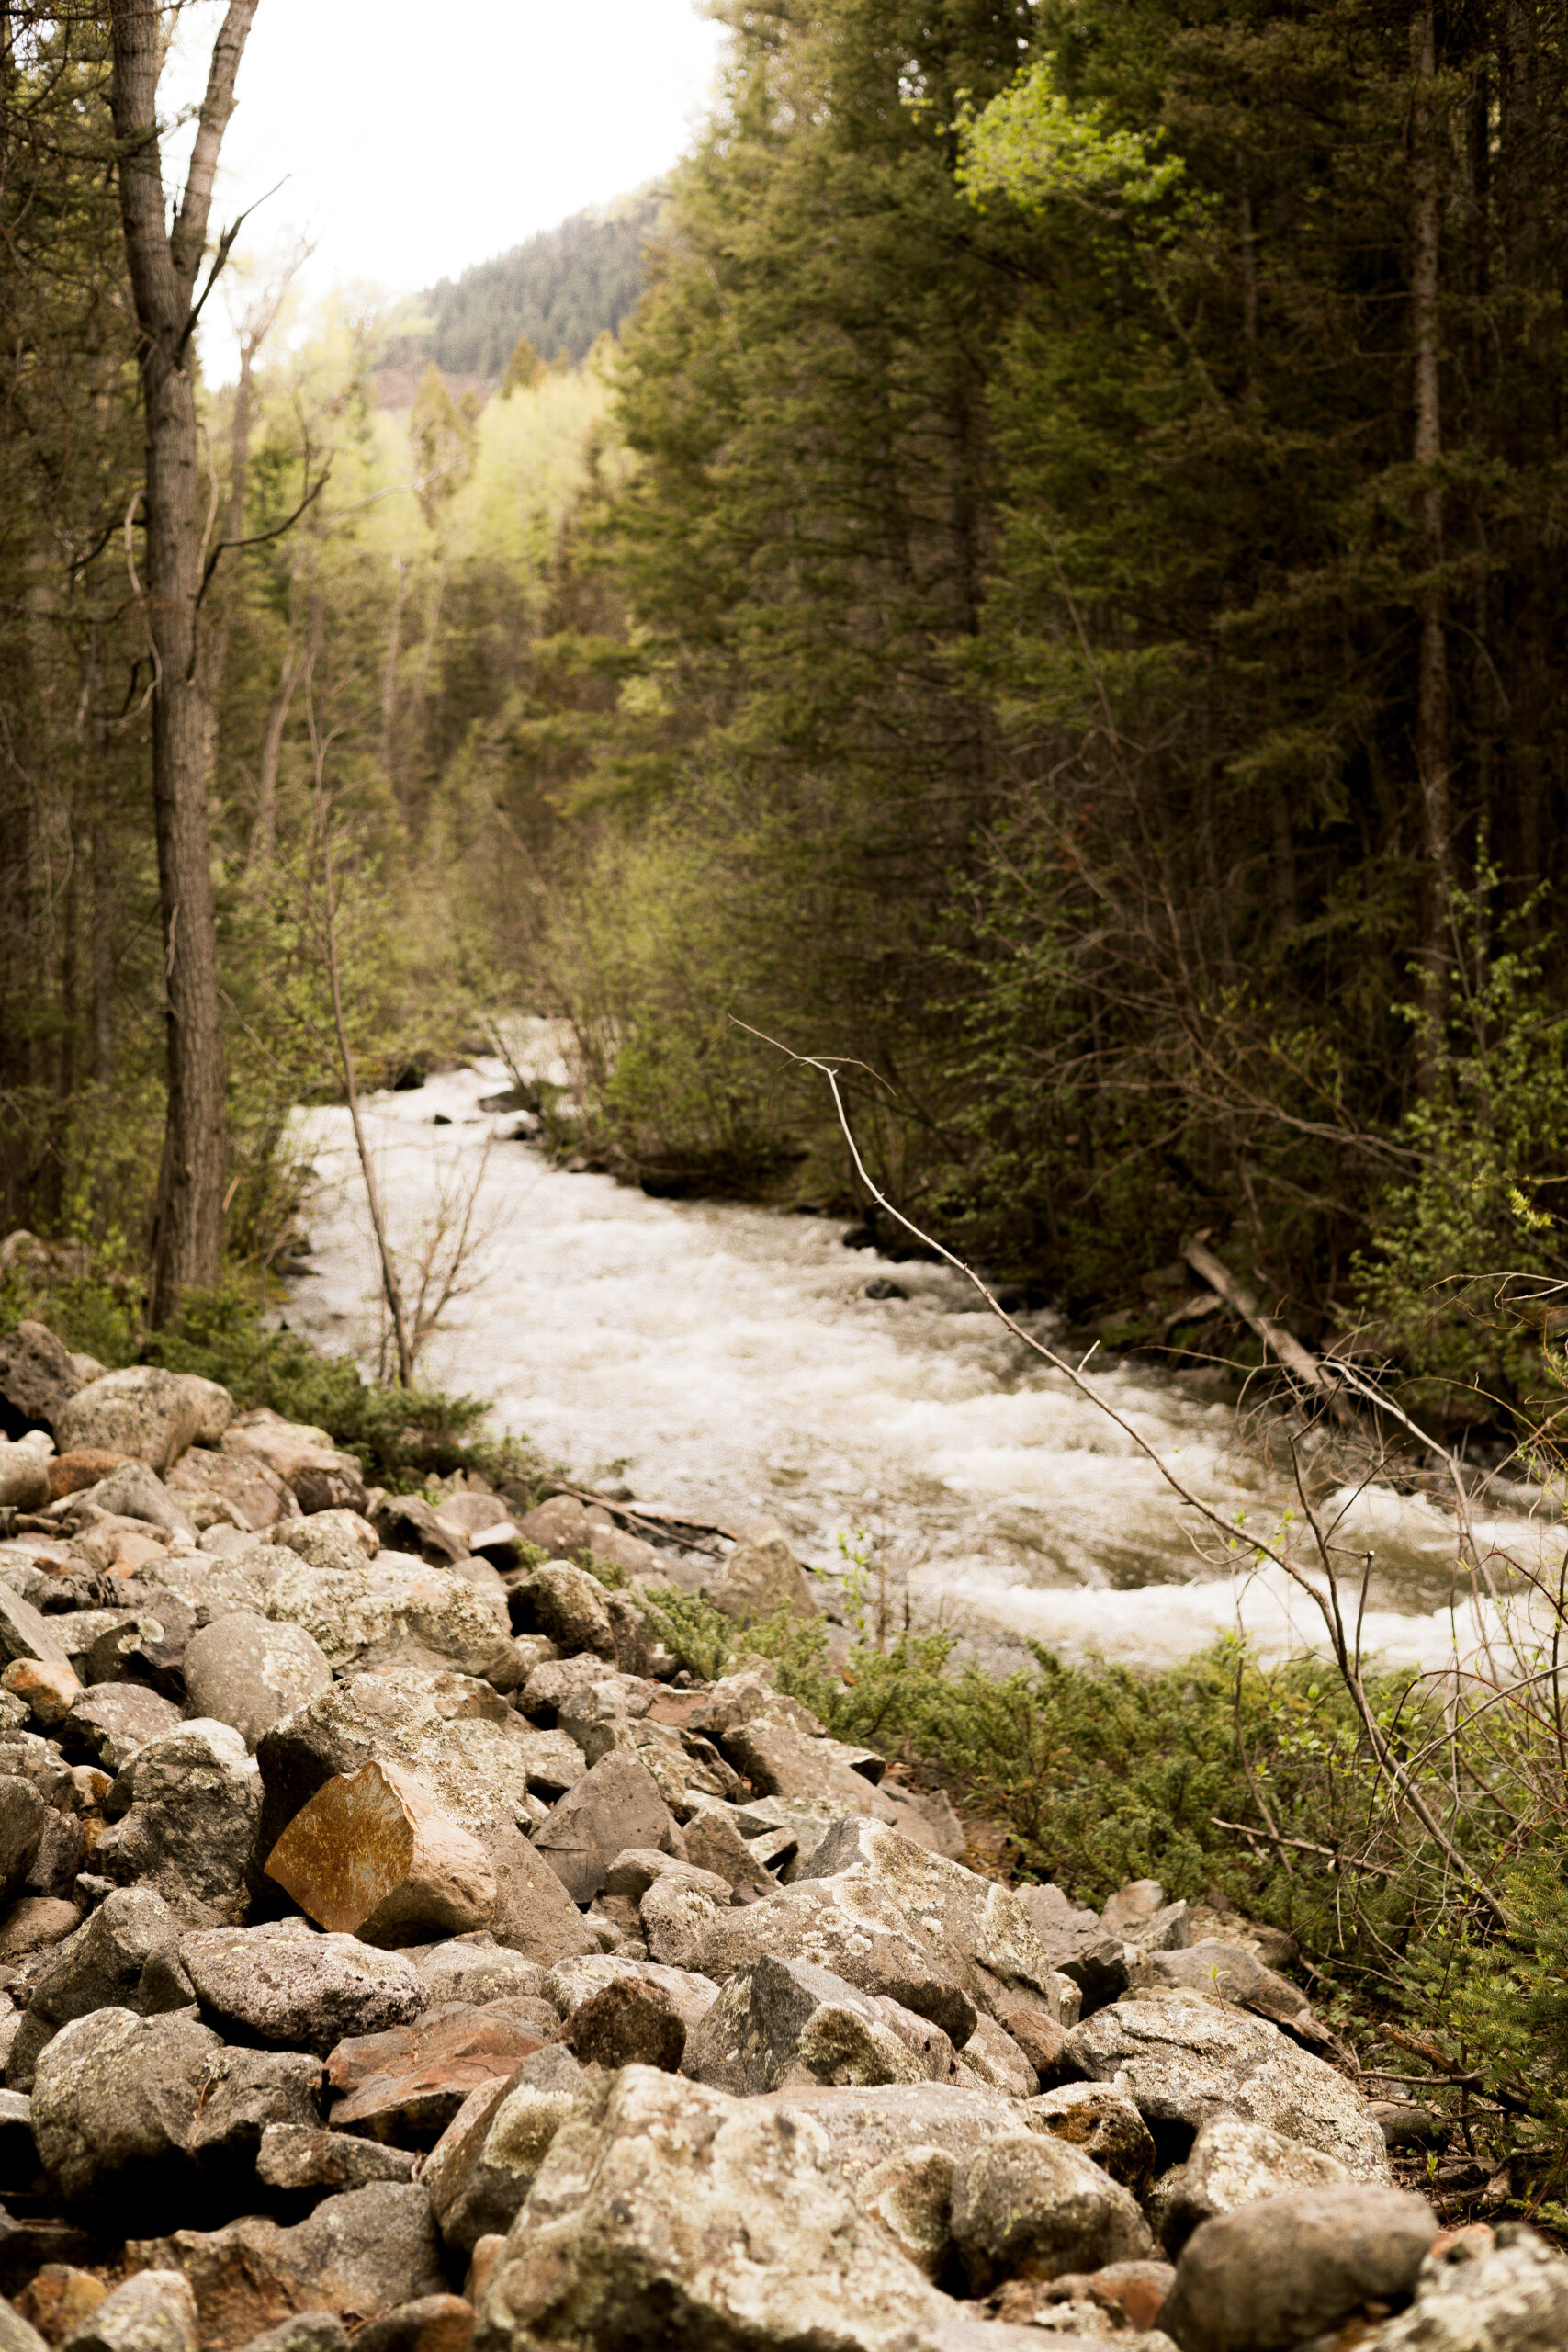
[
  {"x": 164, "y": 264},
  {"x": 215, "y": 651},
  {"x": 1432, "y": 754},
  {"x": 390, "y": 676}
]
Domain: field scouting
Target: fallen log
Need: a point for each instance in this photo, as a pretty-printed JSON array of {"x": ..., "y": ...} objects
[
  {"x": 1309, "y": 1372},
  {"x": 650, "y": 1520}
]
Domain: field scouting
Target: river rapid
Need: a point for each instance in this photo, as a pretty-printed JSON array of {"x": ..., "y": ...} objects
[{"x": 724, "y": 1361}]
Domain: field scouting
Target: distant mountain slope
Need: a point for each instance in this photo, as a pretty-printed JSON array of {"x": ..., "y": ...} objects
[{"x": 561, "y": 289}]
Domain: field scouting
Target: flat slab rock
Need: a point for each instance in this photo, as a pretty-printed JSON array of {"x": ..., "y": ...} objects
[
  {"x": 286, "y": 1984},
  {"x": 415, "y": 2078}
]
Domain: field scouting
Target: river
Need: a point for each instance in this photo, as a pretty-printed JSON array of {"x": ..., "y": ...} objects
[{"x": 724, "y": 1361}]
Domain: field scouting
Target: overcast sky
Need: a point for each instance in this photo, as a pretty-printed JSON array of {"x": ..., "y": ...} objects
[{"x": 416, "y": 140}]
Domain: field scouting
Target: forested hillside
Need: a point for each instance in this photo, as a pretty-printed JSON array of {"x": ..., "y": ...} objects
[
  {"x": 1056, "y": 600},
  {"x": 559, "y": 291}
]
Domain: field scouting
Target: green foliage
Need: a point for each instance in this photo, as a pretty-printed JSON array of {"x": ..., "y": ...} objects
[
  {"x": 561, "y": 291},
  {"x": 1032, "y": 145}
]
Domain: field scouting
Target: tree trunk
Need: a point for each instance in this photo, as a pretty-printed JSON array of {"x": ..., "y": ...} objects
[
  {"x": 187, "y": 1246},
  {"x": 1432, "y": 756}
]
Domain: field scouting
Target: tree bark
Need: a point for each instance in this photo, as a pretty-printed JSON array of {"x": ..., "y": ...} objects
[
  {"x": 1432, "y": 754},
  {"x": 187, "y": 1246}
]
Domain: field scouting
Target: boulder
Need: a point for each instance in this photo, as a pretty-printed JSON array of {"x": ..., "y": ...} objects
[
  {"x": 568, "y": 1605},
  {"x": 191, "y": 1799},
  {"x": 1269, "y": 2276},
  {"x": 429, "y": 2324},
  {"x": 22, "y": 1816},
  {"x": 407, "y": 1523},
  {"x": 676, "y": 1914},
  {"x": 244, "y": 1670},
  {"x": 392, "y": 1606},
  {"x": 911, "y": 2194},
  {"x": 136, "y": 1492},
  {"x": 476, "y": 1968},
  {"x": 115, "y": 2101},
  {"x": 533, "y": 1914},
  {"x": 616, "y": 1804},
  {"x": 37, "y": 1380},
  {"x": 781, "y": 2022},
  {"x": 24, "y": 1634},
  {"x": 666, "y": 2212},
  {"x": 993, "y": 2055},
  {"x": 852, "y": 1926},
  {"x": 114, "y": 1721},
  {"x": 487, "y": 2160},
  {"x": 981, "y": 1932},
  {"x": 112, "y": 1961},
  {"x": 155, "y": 2311},
  {"x": 1232, "y": 2163},
  {"x": 251, "y": 1490},
  {"x": 33, "y": 1924},
  {"x": 630, "y": 2022},
  {"x": 559, "y": 1526},
  {"x": 357, "y": 2255},
  {"x": 318, "y": 1476},
  {"x": 246, "y": 2093},
  {"x": 1031, "y": 2206},
  {"x": 146, "y": 1412},
  {"x": 760, "y": 1577},
  {"x": 1509, "y": 2294},
  {"x": 410, "y": 2081},
  {"x": 373, "y": 1855},
  {"x": 1093, "y": 2117},
  {"x": 548, "y": 1686},
  {"x": 303, "y": 2156},
  {"x": 287, "y": 1984},
  {"x": 1184, "y": 2059},
  {"x": 48, "y": 1690},
  {"x": 1078, "y": 1944},
  {"x": 715, "y": 1844},
  {"x": 24, "y": 1478},
  {"x": 576, "y": 1981},
  {"x": 865, "y": 2129}
]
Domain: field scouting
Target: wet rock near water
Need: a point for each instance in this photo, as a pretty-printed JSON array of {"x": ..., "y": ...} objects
[{"x": 373, "y": 1926}]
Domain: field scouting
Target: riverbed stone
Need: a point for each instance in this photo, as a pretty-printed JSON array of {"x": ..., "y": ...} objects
[
  {"x": 373, "y": 1855},
  {"x": 146, "y": 1411},
  {"x": 662, "y": 2194},
  {"x": 852, "y": 1925},
  {"x": 115, "y": 2100},
  {"x": 304, "y": 1457},
  {"x": 1105, "y": 2125},
  {"x": 285, "y": 1983},
  {"x": 307, "y": 2155},
  {"x": 1271, "y": 2275},
  {"x": 782, "y": 2021},
  {"x": 207, "y": 1476},
  {"x": 114, "y": 1721},
  {"x": 1184, "y": 2059},
  {"x": 192, "y": 1800},
  {"x": 357, "y": 2254},
  {"x": 865, "y": 2128},
  {"x": 1481, "y": 2294},
  {"x": 475, "y": 1968},
  {"x": 762, "y": 1575},
  {"x": 614, "y": 1805},
  {"x": 155, "y": 2311},
  {"x": 568, "y": 1605},
  {"x": 38, "y": 1379},
  {"x": 245, "y": 1670},
  {"x": 412, "y": 2080},
  {"x": 1232, "y": 2163},
  {"x": 487, "y": 2160},
  {"x": 578, "y": 1980},
  {"x": 1032, "y": 2206}
]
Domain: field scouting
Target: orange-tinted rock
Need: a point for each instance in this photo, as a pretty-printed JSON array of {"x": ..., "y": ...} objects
[
  {"x": 433, "y": 2324},
  {"x": 59, "y": 2299},
  {"x": 69, "y": 1472},
  {"x": 34, "y": 1924},
  {"x": 49, "y": 1689},
  {"x": 413, "y": 2079},
  {"x": 373, "y": 1855},
  {"x": 482, "y": 2267}
]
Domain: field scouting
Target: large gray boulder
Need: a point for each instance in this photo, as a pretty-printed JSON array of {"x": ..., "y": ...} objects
[
  {"x": 146, "y": 1411},
  {"x": 1185, "y": 2058},
  {"x": 1232, "y": 2163},
  {"x": 38, "y": 1379},
  {"x": 487, "y": 2160},
  {"x": 1269, "y": 2277},
  {"x": 852, "y": 1926},
  {"x": 124, "y": 1956},
  {"x": 1481, "y": 2295},
  {"x": 25, "y": 1634},
  {"x": 190, "y": 1802},
  {"x": 286, "y": 1984},
  {"x": 361, "y": 1608},
  {"x": 244, "y": 1670},
  {"x": 1033, "y": 2207},
  {"x": 114, "y": 1721},
  {"x": 666, "y": 2213},
  {"x": 476, "y": 1968},
  {"x": 155, "y": 2311},
  {"x": 248, "y": 2092},
  {"x": 358, "y": 2255},
  {"x": 135, "y": 1491},
  {"x": 208, "y": 1484},
  {"x": 568, "y": 1605},
  {"x": 785, "y": 2021},
  {"x": 865, "y": 2129},
  {"x": 115, "y": 2100},
  {"x": 616, "y": 1804},
  {"x": 23, "y": 1813}
]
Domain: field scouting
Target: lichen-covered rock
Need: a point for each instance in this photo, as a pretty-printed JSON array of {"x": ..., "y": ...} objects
[
  {"x": 1184, "y": 2059},
  {"x": 629, "y": 2023},
  {"x": 355, "y": 1608},
  {"x": 911, "y": 2195},
  {"x": 616, "y": 1804},
  {"x": 115, "y": 1720},
  {"x": 191, "y": 1799},
  {"x": 305, "y": 2155},
  {"x": 576, "y": 1981},
  {"x": 568, "y": 1605},
  {"x": 1268, "y": 2277},
  {"x": 1032, "y": 2207},
  {"x": 667, "y": 2214},
  {"x": 1093, "y": 2117},
  {"x": 110, "y": 1962},
  {"x": 24, "y": 1478},
  {"x": 246, "y": 2093},
  {"x": 852, "y": 1925},
  {"x": 1232, "y": 2163},
  {"x": 676, "y": 1913},
  {"x": 155, "y": 2311},
  {"x": 782, "y": 2021},
  {"x": 476, "y": 1968},
  {"x": 134, "y": 1491},
  {"x": 1509, "y": 2295},
  {"x": 25, "y": 1634},
  {"x": 245, "y": 1670},
  {"x": 286, "y": 1984},
  {"x": 144, "y": 1411},
  {"x": 993, "y": 2055},
  {"x": 864, "y": 2129},
  {"x": 487, "y": 2160},
  {"x": 204, "y": 1476},
  {"x": 373, "y": 1855},
  {"x": 357, "y": 2255},
  {"x": 115, "y": 2100}
]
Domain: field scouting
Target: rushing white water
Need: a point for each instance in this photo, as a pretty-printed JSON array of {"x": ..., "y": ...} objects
[{"x": 724, "y": 1361}]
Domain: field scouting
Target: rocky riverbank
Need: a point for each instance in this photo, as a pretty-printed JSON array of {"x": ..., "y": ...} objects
[{"x": 398, "y": 1944}]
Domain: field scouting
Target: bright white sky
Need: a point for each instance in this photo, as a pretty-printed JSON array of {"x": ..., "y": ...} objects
[{"x": 417, "y": 143}]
